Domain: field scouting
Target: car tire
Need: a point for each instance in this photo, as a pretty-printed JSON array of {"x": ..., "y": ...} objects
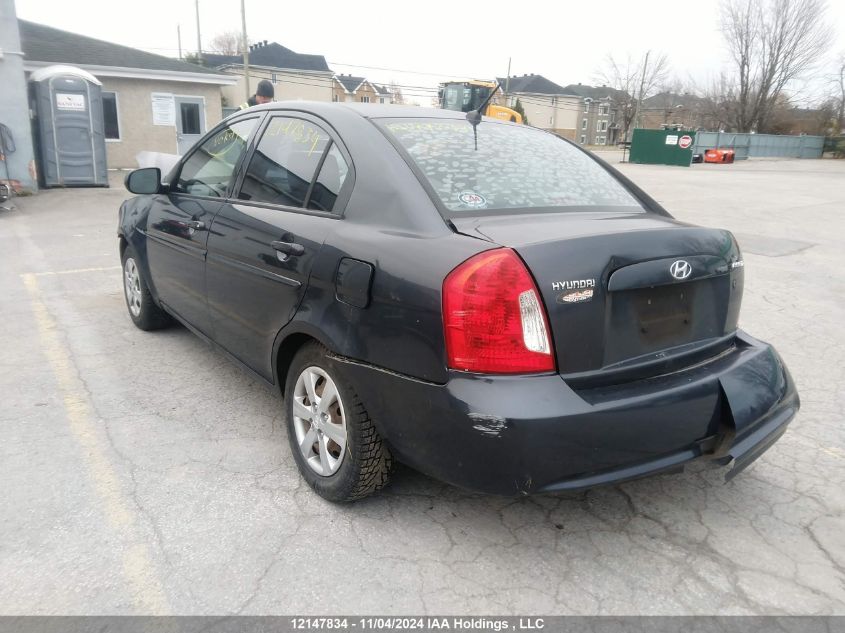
[
  {"x": 336, "y": 472},
  {"x": 143, "y": 311}
]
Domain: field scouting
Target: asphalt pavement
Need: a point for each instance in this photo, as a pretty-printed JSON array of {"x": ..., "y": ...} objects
[{"x": 144, "y": 473}]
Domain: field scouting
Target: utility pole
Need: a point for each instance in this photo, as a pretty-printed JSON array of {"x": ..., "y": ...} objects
[
  {"x": 179, "y": 38},
  {"x": 199, "y": 37},
  {"x": 507, "y": 82},
  {"x": 245, "y": 44}
]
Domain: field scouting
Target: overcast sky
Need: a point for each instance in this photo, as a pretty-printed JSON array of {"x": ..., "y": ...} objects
[{"x": 422, "y": 43}]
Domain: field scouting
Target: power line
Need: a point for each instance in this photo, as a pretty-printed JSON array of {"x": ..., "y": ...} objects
[{"x": 424, "y": 91}]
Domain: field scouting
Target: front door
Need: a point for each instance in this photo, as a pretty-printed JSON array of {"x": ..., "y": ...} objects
[
  {"x": 263, "y": 242},
  {"x": 178, "y": 223},
  {"x": 190, "y": 122}
]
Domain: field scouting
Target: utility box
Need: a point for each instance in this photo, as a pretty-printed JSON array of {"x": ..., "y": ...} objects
[
  {"x": 70, "y": 139},
  {"x": 662, "y": 147}
]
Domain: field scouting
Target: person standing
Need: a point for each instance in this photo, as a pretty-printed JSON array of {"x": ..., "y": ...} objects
[{"x": 263, "y": 94}]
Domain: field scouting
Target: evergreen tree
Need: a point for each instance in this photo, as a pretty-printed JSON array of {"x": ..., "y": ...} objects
[{"x": 518, "y": 108}]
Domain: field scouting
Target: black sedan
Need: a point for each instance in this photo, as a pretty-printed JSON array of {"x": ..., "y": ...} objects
[{"x": 483, "y": 301}]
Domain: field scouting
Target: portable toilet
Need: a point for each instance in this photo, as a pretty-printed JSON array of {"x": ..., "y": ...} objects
[{"x": 71, "y": 144}]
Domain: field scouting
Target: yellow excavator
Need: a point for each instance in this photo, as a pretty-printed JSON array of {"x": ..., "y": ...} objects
[{"x": 466, "y": 96}]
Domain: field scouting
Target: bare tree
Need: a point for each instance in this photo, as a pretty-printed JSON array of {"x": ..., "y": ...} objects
[
  {"x": 636, "y": 80},
  {"x": 771, "y": 43},
  {"x": 839, "y": 87},
  {"x": 718, "y": 105},
  {"x": 396, "y": 91},
  {"x": 227, "y": 43}
]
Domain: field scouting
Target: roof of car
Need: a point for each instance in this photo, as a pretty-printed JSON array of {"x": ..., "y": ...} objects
[{"x": 367, "y": 110}]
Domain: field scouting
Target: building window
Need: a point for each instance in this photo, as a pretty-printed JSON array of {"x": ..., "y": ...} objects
[
  {"x": 583, "y": 139},
  {"x": 365, "y": 99},
  {"x": 604, "y": 109},
  {"x": 586, "y": 106},
  {"x": 334, "y": 97},
  {"x": 190, "y": 113},
  {"x": 381, "y": 99},
  {"x": 111, "y": 124},
  {"x": 584, "y": 124},
  {"x": 601, "y": 126},
  {"x": 274, "y": 79},
  {"x": 601, "y": 140}
]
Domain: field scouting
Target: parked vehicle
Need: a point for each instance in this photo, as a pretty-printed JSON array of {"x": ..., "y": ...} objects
[{"x": 489, "y": 304}]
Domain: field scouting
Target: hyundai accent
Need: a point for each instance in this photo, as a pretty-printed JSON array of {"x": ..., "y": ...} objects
[{"x": 481, "y": 300}]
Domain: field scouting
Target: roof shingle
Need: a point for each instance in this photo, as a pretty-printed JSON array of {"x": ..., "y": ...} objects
[
  {"x": 350, "y": 83},
  {"x": 595, "y": 92},
  {"x": 272, "y": 55},
  {"x": 42, "y": 43},
  {"x": 536, "y": 84}
]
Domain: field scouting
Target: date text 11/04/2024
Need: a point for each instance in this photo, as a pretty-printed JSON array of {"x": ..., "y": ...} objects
[{"x": 431, "y": 623}]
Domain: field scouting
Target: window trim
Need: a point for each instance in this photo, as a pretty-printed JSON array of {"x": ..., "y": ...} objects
[
  {"x": 117, "y": 114},
  {"x": 173, "y": 177},
  {"x": 345, "y": 191},
  {"x": 599, "y": 126}
]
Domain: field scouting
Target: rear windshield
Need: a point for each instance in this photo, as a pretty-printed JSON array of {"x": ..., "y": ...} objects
[{"x": 515, "y": 167}]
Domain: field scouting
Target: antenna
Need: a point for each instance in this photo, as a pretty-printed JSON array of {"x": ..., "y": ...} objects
[{"x": 474, "y": 116}]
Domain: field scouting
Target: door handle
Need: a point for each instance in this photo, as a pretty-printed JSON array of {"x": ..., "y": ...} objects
[
  {"x": 195, "y": 225},
  {"x": 288, "y": 248}
]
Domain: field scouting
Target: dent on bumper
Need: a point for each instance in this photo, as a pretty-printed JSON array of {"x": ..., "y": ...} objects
[{"x": 520, "y": 435}]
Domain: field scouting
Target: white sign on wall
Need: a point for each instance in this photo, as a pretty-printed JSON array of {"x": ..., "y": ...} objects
[
  {"x": 65, "y": 101},
  {"x": 164, "y": 109},
  {"x": 671, "y": 139}
]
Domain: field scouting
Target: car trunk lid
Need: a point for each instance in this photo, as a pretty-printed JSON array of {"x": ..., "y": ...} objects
[{"x": 615, "y": 308}]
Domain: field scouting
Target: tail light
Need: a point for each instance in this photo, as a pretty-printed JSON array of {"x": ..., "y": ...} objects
[{"x": 493, "y": 317}]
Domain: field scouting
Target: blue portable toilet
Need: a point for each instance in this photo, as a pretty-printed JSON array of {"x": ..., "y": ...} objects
[{"x": 71, "y": 143}]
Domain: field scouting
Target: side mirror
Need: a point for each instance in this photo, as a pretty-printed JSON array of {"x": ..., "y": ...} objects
[{"x": 144, "y": 181}]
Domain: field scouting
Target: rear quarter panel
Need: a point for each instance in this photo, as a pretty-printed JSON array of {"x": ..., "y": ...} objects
[{"x": 391, "y": 223}]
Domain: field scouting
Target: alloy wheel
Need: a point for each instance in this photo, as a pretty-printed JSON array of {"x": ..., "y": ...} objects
[
  {"x": 319, "y": 421},
  {"x": 132, "y": 285}
]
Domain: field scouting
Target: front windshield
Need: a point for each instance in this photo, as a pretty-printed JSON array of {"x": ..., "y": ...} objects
[{"x": 515, "y": 167}]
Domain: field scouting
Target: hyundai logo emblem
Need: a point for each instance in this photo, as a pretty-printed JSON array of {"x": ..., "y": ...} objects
[{"x": 680, "y": 269}]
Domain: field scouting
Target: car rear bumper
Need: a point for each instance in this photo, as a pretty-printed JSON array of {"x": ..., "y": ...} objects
[{"x": 515, "y": 435}]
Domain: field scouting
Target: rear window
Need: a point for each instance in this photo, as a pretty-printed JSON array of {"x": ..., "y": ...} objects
[{"x": 515, "y": 167}]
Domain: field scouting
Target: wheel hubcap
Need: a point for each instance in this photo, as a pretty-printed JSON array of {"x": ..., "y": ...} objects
[
  {"x": 319, "y": 421},
  {"x": 132, "y": 285}
]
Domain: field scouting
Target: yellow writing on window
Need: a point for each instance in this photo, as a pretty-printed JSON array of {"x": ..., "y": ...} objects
[{"x": 297, "y": 131}]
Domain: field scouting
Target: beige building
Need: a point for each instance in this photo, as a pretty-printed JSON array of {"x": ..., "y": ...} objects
[
  {"x": 150, "y": 102},
  {"x": 600, "y": 120},
  {"x": 293, "y": 75},
  {"x": 546, "y": 104},
  {"x": 350, "y": 89}
]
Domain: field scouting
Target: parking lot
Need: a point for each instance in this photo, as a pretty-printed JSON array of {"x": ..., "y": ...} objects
[{"x": 144, "y": 473}]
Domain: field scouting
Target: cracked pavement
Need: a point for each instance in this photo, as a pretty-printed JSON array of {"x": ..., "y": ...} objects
[{"x": 144, "y": 473}]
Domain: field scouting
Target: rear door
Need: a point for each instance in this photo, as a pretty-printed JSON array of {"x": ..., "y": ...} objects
[
  {"x": 178, "y": 222},
  {"x": 264, "y": 240}
]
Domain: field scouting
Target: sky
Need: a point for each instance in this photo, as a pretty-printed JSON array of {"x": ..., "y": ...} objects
[{"x": 418, "y": 45}]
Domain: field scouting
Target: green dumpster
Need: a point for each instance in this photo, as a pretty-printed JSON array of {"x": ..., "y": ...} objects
[{"x": 662, "y": 147}]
